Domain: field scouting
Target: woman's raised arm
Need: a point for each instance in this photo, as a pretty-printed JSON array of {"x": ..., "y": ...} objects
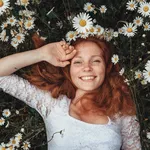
[{"x": 57, "y": 54}]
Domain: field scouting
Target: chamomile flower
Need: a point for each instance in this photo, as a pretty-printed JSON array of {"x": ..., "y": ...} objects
[
  {"x": 20, "y": 38},
  {"x": 3, "y": 36},
  {"x": 115, "y": 59},
  {"x": 14, "y": 142},
  {"x": 103, "y": 9},
  {"x": 83, "y": 35},
  {"x": 22, "y": 2},
  {"x": 146, "y": 26},
  {"x": 88, "y": 7},
  {"x": 140, "y": 1},
  {"x": 6, "y": 113},
  {"x": 129, "y": 29},
  {"x": 92, "y": 31},
  {"x": 131, "y": 5},
  {"x": 4, "y": 4},
  {"x": 2, "y": 121},
  {"x": 108, "y": 34},
  {"x": 29, "y": 24},
  {"x": 26, "y": 13},
  {"x": 14, "y": 43},
  {"x": 82, "y": 22},
  {"x": 11, "y": 20},
  {"x": 19, "y": 136},
  {"x": 138, "y": 21},
  {"x": 71, "y": 35},
  {"x": 146, "y": 74},
  {"x": 26, "y": 145},
  {"x": 2, "y": 147},
  {"x": 143, "y": 82},
  {"x": 4, "y": 25},
  {"x": 138, "y": 74},
  {"x": 144, "y": 9},
  {"x": 120, "y": 31},
  {"x": 115, "y": 34},
  {"x": 100, "y": 30}
]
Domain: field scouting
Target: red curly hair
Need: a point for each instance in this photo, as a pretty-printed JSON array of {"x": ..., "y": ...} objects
[{"x": 112, "y": 97}]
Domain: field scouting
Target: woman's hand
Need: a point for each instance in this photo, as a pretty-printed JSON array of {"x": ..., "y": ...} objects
[{"x": 58, "y": 53}]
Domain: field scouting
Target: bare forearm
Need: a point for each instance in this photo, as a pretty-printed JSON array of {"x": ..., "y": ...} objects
[{"x": 12, "y": 63}]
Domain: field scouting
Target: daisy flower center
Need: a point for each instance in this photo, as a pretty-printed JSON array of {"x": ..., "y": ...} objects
[
  {"x": 146, "y": 8},
  {"x": 29, "y": 24},
  {"x": 71, "y": 35},
  {"x": 1, "y": 121},
  {"x": 82, "y": 23},
  {"x": 18, "y": 37},
  {"x": 137, "y": 21},
  {"x": 3, "y": 148},
  {"x": 1, "y": 3},
  {"x": 129, "y": 30},
  {"x": 13, "y": 142},
  {"x": 131, "y": 5},
  {"x": 89, "y": 7},
  {"x": 98, "y": 30},
  {"x": 11, "y": 20},
  {"x": 25, "y": 145},
  {"x": 139, "y": 76},
  {"x": 24, "y": 1},
  {"x": 92, "y": 30},
  {"x": 149, "y": 73},
  {"x": 6, "y": 113},
  {"x": 146, "y": 26}
]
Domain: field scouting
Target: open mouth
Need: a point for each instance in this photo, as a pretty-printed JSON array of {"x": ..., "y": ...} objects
[{"x": 87, "y": 78}]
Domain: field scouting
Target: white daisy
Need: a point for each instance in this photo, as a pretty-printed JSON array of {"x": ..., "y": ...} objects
[
  {"x": 26, "y": 145},
  {"x": 103, "y": 9},
  {"x": 3, "y": 36},
  {"x": 146, "y": 26},
  {"x": 115, "y": 34},
  {"x": 71, "y": 35},
  {"x": 88, "y": 7},
  {"x": 17, "y": 112},
  {"x": 19, "y": 136},
  {"x": 144, "y": 9},
  {"x": 83, "y": 35},
  {"x": 4, "y": 4},
  {"x": 139, "y": 1},
  {"x": 146, "y": 74},
  {"x": 138, "y": 74},
  {"x": 11, "y": 20},
  {"x": 138, "y": 21},
  {"x": 22, "y": 130},
  {"x": 29, "y": 24},
  {"x": 26, "y": 13},
  {"x": 147, "y": 65},
  {"x": 4, "y": 25},
  {"x": 120, "y": 31},
  {"x": 14, "y": 142},
  {"x": 6, "y": 113},
  {"x": 92, "y": 31},
  {"x": 20, "y": 38},
  {"x": 131, "y": 5},
  {"x": 2, "y": 121},
  {"x": 82, "y": 22},
  {"x": 115, "y": 59},
  {"x": 100, "y": 30},
  {"x": 22, "y": 2},
  {"x": 129, "y": 29},
  {"x": 108, "y": 34},
  {"x": 143, "y": 82},
  {"x": 14, "y": 43}
]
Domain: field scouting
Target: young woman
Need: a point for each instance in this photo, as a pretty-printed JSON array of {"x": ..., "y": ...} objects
[{"x": 78, "y": 92}]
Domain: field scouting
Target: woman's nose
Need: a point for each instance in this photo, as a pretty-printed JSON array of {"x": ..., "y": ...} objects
[{"x": 87, "y": 67}]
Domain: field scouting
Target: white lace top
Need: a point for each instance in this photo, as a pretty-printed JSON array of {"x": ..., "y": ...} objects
[{"x": 67, "y": 133}]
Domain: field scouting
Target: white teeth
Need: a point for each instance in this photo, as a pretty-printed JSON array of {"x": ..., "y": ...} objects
[{"x": 87, "y": 78}]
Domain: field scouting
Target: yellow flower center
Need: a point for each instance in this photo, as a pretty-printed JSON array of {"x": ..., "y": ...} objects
[
  {"x": 139, "y": 76},
  {"x": 6, "y": 112},
  {"x": 11, "y": 147},
  {"x": 146, "y": 26},
  {"x": 92, "y": 30},
  {"x": 116, "y": 59},
  {"x": 149, "y": 73},
  {"x": 131, "y": 5},
  {"x": 11, "y": 20},
  {"x": 13, "y": 142},
  {"x": 146, "y": 8},
  {"x": 89, "y": 7},
  {"x": 1, "y": 3},
  {"x": 18, "y": 37},
  {"x": 25, "y": 145},
  {"x": 71, "y": 36},
  {"x": 82, "y": 23},
  {"x": 102, "y": 9},
  {"x": 137, "y": 21},
  {"x": 129, "y": 30},
  {"x": 98, "y": 29},
  {"x": 1, "y": 121},
  {"x": 3, "y": 148},
  {"x": 29, "y": 24},
  {"x": 24, "y": 1}
]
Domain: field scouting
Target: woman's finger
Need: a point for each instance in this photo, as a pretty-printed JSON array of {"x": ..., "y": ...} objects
[
  {"x": 64, "y": 63},
  {"x": 70, "y": 55}
]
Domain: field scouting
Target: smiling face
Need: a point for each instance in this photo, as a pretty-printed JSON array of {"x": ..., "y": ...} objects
[{"x": 87, "y": 68}]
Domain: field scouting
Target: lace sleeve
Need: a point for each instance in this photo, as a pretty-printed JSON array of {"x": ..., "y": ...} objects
[
  {"x": 31, "y": 95},
  {"x": 130, "y": 133}
]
